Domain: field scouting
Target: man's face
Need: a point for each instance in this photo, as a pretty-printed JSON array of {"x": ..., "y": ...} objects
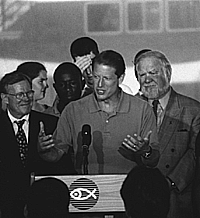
[
  {"x": 153, "y": 78},
  {"x": 106, "y": 83},
  {"x": 40, "y": 85},
  {"x": 68, "y": 87},
  {"x": 18, "y": 108}
]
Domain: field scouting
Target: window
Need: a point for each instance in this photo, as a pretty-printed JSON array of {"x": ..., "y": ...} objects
[
  {"x": 103, "y": 17},
  {"x": 144, "y": 16},
  {"x": 183, "y": 15}
]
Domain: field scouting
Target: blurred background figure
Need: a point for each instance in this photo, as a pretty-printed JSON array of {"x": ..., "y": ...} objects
[
  {"x": 83, "y": 50},
  {"x": 38, "y": 75},
  {"x": 48, "y": 198},
  {"x": 68, "y": 84},
  {"x": 145, "y": 193}
]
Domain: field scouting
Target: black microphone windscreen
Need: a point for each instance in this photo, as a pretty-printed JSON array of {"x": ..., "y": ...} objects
[{"x": 86, "y": 134}]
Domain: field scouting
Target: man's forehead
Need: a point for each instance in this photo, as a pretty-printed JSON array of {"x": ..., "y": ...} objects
[
  {"x": 19, "y": 85},
  {"x": 66, "y": 76},
  {"x": 150, "y": 62},
  {"x": 43, "y": 74},
  {"x": 101, "y": 67}
]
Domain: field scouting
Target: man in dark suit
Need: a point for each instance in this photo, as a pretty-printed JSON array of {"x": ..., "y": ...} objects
[
  {"x": 19, "y": 155},
  {"x": 196, "y": 185},
  {"x": 178, "y": 122}
]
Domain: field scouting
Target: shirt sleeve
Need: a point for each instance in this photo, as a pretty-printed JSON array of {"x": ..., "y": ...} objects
[
  {"x": 62, "y": 133},
  {"x": 149, "y": 124}
]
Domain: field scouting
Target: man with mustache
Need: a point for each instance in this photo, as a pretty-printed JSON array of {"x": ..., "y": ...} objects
[{"x": 178, "y": 122}]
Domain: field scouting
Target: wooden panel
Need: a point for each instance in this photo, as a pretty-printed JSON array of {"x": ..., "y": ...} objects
[{"x": 100, "y": 193}]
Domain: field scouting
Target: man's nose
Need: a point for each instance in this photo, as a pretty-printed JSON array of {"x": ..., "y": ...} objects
[
  {"x": 68, "y": 86},
  {"x": 148, "y": 78},
  {"x": 25, "y": 97},
  {"x": 46, "y": 85},
  {"x": 100, "y": 83}
]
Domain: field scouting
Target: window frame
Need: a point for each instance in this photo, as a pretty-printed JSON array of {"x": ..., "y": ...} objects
[
  {"x": 168, "y": 29},
  {"x": 86, "y": 29},
  {"x": 143, "y": 2}
]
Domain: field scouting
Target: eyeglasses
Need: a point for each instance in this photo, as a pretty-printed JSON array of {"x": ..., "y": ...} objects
[{"x": 21, "y": 95}]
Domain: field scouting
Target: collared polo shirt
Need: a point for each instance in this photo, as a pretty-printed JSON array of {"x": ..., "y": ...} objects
[
  {"x": 53, "y": 109},
  {"x": 108, "y": 131}
]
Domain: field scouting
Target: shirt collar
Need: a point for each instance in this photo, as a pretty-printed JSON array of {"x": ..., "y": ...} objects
[
  {"x": 164, "y": 100},
  {"x": 13, "y": 119},
  {"x": 122, "y": 107}
]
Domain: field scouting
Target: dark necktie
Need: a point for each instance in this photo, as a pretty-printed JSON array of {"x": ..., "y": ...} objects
[
  {"x": 155, "y": 107},
  {"x": 22, "y": 141}
]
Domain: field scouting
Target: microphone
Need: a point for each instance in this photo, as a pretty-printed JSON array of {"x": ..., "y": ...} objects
[
  {"x": 86, "y": 135},
  {"x": 86, "y": 141}
]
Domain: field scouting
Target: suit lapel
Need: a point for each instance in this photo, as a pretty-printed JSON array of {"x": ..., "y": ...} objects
[
  {"x": 170, "y": 121},
  {"x": 8, "y": 134}
]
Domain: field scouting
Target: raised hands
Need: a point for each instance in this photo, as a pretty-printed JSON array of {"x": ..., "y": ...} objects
[
  {"x": 45, "y": 142},
  {"x": 137, "y": 144},
  {"x": 84, "y": 63}
]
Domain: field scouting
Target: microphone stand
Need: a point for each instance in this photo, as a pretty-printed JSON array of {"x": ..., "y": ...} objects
[
  {"x": 85, "y": 159},
  {"x": 86, "y": 141}
]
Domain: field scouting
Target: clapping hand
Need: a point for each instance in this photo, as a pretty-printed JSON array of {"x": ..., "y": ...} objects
[
  {"x": 45, "y": 142},
  {"x": 134, "y": 146},
  {"x": 137, "y": 144}
]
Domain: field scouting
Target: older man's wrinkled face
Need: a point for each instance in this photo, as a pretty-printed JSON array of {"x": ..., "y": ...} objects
[
  {"x": 153, "y": 77},
  {"x": 19, "y": 107}
]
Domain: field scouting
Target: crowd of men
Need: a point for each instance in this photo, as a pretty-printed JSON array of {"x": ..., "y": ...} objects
[{"x": 152, "y": 136}]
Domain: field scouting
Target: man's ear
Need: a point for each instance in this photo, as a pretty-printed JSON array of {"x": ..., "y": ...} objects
[
  {"x": 4, "y": 98},
  {"x": 121, "y": 78}
]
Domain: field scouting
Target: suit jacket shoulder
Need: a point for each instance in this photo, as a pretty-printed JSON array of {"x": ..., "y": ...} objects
[
  {"x": 65, "y": 165},
  {"x": 49, "y": 121},
  {"x": 185, "y": 101}
]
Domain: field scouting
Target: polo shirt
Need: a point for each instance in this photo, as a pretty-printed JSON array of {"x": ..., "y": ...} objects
[
  {"x": 53, "y": 109},
  {"x": 108, "y": 131}
]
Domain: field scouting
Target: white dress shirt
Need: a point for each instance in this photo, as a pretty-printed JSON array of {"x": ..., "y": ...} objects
[{"x": 25, "y": 126}]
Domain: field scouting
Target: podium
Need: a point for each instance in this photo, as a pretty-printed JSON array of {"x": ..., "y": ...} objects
[{"x": 93, "y": 193}]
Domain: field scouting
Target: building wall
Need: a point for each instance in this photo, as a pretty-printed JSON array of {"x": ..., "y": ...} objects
[{"x": 48, "y": 29}]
